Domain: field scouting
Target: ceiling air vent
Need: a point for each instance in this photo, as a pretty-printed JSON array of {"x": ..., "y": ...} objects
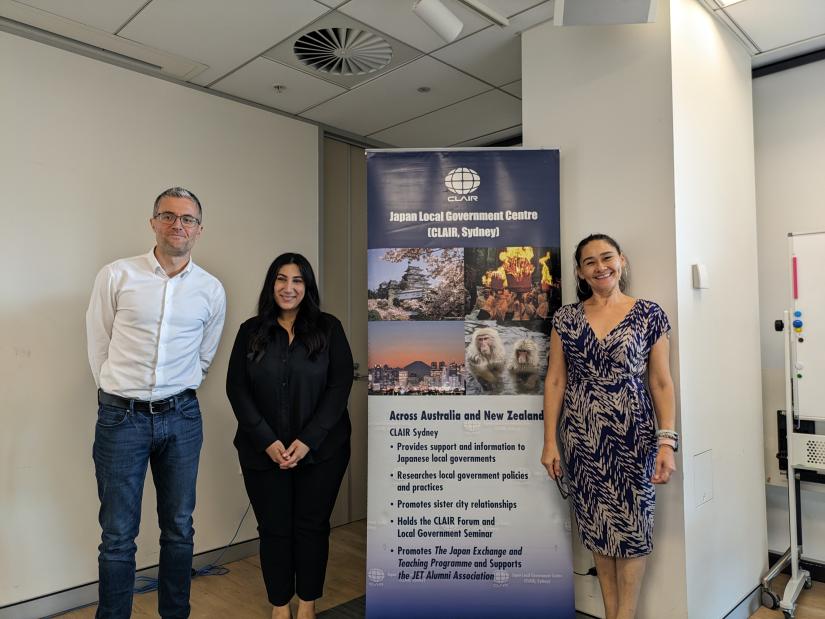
[{"x": 343, "y": 51}]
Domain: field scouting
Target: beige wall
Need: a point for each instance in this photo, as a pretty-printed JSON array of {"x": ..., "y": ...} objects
[
  {"x": 602, "y": 95},
  {"x": 85, "y": 148},
  {"x": 725, "y": 536},
  {"x": 655, "y": 132}
]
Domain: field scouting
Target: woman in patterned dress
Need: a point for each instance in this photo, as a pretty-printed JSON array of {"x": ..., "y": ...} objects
[{"x": 608, "y": 388}]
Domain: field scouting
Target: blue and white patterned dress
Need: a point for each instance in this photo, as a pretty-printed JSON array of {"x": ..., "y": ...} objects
[{"x": 607, "y": 428}]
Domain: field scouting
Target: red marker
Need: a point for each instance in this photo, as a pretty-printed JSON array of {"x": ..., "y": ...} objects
[{"x": 795, "y": 283}]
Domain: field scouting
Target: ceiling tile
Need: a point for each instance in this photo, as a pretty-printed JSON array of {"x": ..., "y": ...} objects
[
  {"x": 255, "y": 82},
  {"x": 537, "y": 14},
  {"x": 134, "y": 54},
  {"x": 513, "y": 89},
  {"x": 393, "y": 97},
  {"x": 219, "y": 33},
  {"x": 491, "y": 138},
  {"x": 457, "y": 123},
  {"x": 511, "y": 7},
  {"x": 774, "y": 23},
  {"x": 789, "y": 51},
  {"x": 494, "y": 54},
  {"x": 395, "y": 17},
  {"x": 108, "y": 15}
]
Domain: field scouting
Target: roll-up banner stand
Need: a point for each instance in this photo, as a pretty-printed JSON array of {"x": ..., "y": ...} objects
[{"x": 464, "y": 277}]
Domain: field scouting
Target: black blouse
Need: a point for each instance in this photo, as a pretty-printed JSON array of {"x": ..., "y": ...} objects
[{"x": 285, "y": 395}]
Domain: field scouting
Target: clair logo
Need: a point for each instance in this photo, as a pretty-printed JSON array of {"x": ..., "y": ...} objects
[{"x": 462, "y": 182}]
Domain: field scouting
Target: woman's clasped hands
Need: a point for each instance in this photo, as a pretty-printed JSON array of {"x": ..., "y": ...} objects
[{"x": 287, "y": 458}]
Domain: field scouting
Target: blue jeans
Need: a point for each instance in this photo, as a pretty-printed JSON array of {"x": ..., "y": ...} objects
[{"x": 126, "y": 441}]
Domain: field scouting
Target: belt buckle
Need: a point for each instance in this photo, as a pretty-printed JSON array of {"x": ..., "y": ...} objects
[{"x": 151, "y": 412}]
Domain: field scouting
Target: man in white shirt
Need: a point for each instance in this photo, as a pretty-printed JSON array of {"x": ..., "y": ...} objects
[{"x": 153, "y": 326}]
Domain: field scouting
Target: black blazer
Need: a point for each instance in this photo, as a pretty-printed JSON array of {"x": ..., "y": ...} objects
[{"x": 285, "y": 395}]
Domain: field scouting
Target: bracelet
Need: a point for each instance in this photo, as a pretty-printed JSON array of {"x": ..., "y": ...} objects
[
  {"x": 667, "y": 442},
  {"x": 672, "y": 434}
]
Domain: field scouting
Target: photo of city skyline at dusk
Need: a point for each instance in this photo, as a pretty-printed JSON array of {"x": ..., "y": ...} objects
[{"x": 416, "y": 358}]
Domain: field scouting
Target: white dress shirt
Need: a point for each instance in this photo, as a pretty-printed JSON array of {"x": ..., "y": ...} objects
[{"x": 150, "y": 335}]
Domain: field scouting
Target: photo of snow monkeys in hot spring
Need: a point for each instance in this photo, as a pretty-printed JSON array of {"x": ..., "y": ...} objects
[
  {"x": 524, "y": 366},
  {"x": 485, "y": 357},
  {"x": 504, "y": 359}
]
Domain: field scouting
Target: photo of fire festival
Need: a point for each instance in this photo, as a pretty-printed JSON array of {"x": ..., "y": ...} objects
[{"x": 512, "y": 283}]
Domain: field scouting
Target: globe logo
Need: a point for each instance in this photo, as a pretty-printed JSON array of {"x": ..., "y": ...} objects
[
  {"x": 375, "y": 575},
  {"x": 501, "y": 577},
  {"x": 462, "y": 181}
]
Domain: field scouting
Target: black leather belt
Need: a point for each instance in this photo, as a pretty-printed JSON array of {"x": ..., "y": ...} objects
[{"x": 144, "y": 406}]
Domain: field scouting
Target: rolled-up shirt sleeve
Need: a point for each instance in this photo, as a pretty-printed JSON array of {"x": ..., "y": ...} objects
[
  {"x": 100, "y": 317},
  {"x": 333, "y": 402},
  {"x": 239, "y": 392},
  {"x": 212, "y": 330}
]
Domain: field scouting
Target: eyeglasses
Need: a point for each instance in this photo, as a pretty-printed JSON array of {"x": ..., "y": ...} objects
[
  {"x": 187, "y": 221},
  {"x": 564, "y": 491}
]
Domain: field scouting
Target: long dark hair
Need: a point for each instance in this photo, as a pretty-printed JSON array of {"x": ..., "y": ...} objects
[
  {"x": 311, "y": 328},
  {"x": 583, "y": 289}
]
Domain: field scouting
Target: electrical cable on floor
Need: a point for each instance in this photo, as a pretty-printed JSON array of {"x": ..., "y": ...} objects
[
  {"x": 145, "y": 584},
  {"x": 590, "y": 572}
]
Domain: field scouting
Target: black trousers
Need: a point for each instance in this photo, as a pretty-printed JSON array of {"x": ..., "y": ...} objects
[{"x": 293, "y": 509}]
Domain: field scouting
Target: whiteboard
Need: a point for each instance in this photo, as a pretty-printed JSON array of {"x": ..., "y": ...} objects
[{"x": 808, "y": 335}]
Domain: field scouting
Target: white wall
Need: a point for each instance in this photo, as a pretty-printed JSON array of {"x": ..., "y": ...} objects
[
  {"x": 85, "y": 148},
  {"x": 725, "y": 537},
  {"x": 602, "y": 95},
  {"x": 654, "y": 126},
  {"x": 790, "y": 139}
]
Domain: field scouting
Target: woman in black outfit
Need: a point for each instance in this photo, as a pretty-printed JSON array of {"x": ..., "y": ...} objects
[{"x": 289, "y": 379}]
